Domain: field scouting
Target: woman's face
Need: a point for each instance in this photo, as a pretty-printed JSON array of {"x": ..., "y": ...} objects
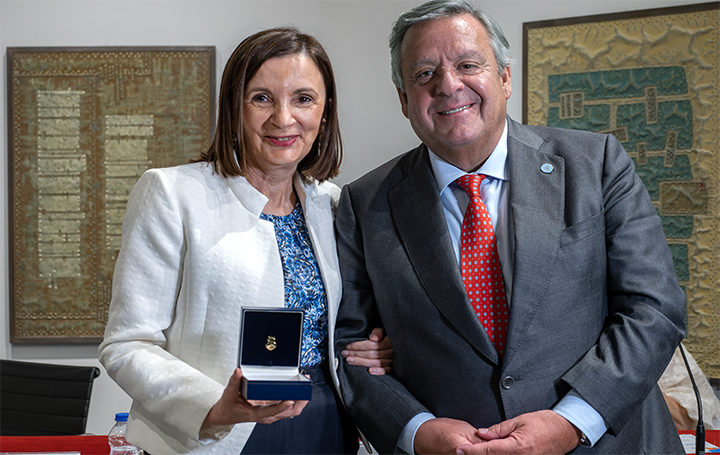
[{"x": 282, "y": 112}]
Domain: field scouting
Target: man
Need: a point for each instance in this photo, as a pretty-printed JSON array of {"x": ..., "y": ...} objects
[{"x": 595, "y": 311}]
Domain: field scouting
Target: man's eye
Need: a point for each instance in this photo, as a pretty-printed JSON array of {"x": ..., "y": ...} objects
[{"x": 469, "y": 67}]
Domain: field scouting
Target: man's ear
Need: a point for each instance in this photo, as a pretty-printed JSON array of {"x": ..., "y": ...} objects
[
  {"x": 507, "y": 82},
  {"x": 403, "y": 102}
]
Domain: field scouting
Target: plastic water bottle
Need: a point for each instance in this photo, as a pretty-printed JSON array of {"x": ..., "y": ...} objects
[{"x": 116, "y": 437}]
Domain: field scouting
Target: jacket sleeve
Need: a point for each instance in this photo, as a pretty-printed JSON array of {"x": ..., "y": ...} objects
[
  {"x": 380, "y": 405},
  {"x": 146, "y": 282},
  {"x": 645, "y": 305}
]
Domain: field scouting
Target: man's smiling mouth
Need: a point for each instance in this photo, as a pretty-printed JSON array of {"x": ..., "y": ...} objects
[{"x": 452, "y": 111}]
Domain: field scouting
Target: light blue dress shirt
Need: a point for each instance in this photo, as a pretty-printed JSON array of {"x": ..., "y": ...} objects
[{"x": 494, "y": 192}]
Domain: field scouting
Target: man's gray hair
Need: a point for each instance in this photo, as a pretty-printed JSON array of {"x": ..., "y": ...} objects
[{"x": 436, "y": 9}]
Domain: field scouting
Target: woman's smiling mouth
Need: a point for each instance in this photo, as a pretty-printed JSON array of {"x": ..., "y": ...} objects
[{"x": 282, "y": 141}]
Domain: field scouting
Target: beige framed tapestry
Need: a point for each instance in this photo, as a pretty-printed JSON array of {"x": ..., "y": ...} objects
[
  {"x": 84, "y": 123},
  {"x": 649, "y": 77}
]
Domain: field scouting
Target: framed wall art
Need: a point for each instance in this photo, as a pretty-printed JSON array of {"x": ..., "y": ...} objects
[
  {"x": 650, "y": 78},
  {"x": 84, "y": 124}
]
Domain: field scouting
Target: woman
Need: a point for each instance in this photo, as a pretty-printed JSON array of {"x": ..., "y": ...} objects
[{"x": 249, "y": 224}]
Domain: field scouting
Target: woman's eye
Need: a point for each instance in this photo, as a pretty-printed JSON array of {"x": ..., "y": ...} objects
[
  {"x": 304, "y": 99},
  {"x": 261, "y": 98}
]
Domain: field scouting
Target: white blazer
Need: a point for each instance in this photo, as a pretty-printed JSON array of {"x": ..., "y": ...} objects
[{"x": 194, "y": 251}]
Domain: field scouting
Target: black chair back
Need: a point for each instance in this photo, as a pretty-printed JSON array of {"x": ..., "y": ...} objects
[{"x": 38, "y": 399}]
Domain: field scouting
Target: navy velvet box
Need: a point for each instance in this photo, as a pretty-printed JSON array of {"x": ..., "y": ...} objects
[{"x": 270, "y": 342}]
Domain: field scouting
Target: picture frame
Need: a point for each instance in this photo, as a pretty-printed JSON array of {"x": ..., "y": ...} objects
[
  {"x": 650, "y": 78},
  {"x": 83, "y": 124}
]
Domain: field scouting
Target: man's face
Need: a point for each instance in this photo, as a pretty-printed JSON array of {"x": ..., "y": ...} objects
[{"x": 454, "y": 96}]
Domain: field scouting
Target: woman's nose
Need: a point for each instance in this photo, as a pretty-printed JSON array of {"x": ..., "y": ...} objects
[{"x": 283, "y": 115}]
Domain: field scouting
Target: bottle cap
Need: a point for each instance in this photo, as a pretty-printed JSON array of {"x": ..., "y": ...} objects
[{"x": 121, "y": 417}]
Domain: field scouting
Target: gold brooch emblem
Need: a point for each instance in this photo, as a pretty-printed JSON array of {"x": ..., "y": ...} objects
[{"x": 271, "y": 343}]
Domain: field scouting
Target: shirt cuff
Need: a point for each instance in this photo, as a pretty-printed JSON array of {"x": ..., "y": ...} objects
[
  {"x": 406, "y": 442},
  {"x": 585, "y": 418}
]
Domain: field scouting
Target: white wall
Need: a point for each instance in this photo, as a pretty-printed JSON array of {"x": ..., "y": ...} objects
[{"x": 354, "y": 33}]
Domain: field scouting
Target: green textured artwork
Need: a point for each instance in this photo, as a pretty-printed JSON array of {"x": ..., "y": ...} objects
[
  {"x": 85, "y": 123},
  {"x": 650, "y": 79}
]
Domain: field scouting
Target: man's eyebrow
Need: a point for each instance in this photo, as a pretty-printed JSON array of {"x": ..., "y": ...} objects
[
  {"x": 419, "y": 63},
  {"x": 474, "y": 55}
]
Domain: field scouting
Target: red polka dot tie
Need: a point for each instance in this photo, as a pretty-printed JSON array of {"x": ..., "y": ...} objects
[{"x": 480, "y": 264}]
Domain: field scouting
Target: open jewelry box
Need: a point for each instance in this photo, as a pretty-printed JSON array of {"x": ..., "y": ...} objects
[{"x": 270, "y": 347}]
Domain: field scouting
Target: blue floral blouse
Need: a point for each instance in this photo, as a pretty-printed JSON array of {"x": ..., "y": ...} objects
[{"x": 304, "y": 288}]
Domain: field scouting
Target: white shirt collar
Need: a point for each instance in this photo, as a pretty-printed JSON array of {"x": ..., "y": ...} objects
[{"x": 446, "y": 173}]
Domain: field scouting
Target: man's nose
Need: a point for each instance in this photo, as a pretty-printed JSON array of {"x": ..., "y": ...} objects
[{"x": 448, "y": 82}]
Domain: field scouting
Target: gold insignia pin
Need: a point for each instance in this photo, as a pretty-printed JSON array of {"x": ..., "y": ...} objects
[{"x": 271, "y": 343}]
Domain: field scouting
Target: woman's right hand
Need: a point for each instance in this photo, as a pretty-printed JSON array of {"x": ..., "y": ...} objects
[
  {"x": 376, "y": 353},
  {"x": 233, "y": 408}
]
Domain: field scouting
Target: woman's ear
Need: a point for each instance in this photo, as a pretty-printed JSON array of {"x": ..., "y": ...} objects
[{"x": 327, "y": 106}]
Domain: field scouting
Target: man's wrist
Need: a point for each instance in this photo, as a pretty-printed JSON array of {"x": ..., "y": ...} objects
[
  {"x": 580, "y": 437},
  {"x": 407, "y": 438},
  {"x": 582, "y": 416},
  {"x": 584, "y": 441}
]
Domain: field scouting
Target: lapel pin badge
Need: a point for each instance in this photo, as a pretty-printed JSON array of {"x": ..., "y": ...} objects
[
  {"x": 547, "y": 168},
  {"x": 271, "y": 343}
]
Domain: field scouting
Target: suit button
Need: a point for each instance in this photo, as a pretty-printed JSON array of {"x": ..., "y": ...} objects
[{"x": 507, "y": 382}]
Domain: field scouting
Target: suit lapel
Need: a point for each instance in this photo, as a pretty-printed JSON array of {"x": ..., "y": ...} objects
[
  {"x": 417, "y": 211},
  {"x": 537, "y": 196}
]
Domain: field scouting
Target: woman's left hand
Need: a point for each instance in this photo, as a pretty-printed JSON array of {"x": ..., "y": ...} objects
[
  {"x": 233, "y": 408},
  {"x": 376, "y": 353}
]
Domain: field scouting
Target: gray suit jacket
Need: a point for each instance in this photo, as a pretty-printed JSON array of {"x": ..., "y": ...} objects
[{"x": 595, "y": 304}]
